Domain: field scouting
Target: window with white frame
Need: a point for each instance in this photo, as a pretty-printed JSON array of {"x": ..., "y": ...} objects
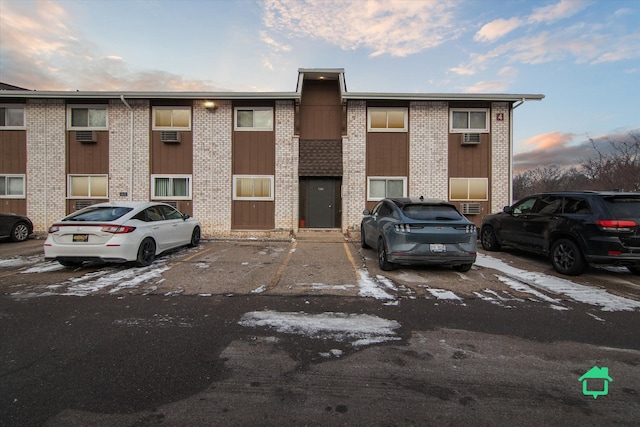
[
  {"x": 171, "y": 118},
  {"x": 468, "y": 189},
  {"x": 12, "y": 186},
  {"x": 382, "y": 119},
  {"x": 171, "y": 187},
  {"x": 87, "y": 117},
  {"x": 381, "y": 187},
  {"x": 469, "y": 120},
  {"x": 11, "y": 116},
  {"x": 253, "y": 187},
  {"x": 252, "y": 119},
  {"x": 88, "y": 186}
]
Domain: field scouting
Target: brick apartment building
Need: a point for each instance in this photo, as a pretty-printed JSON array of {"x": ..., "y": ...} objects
[{"x": 255, "y": 164}]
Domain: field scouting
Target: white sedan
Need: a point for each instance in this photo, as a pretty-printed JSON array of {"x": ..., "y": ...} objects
[{"x": 120, "y": 232}]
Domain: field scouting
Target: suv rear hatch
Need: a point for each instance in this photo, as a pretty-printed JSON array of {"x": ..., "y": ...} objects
[{"x": 625, "y": 212}]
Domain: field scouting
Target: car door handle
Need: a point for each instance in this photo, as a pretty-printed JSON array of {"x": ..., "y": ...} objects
[{"x": 155, "y": 228}]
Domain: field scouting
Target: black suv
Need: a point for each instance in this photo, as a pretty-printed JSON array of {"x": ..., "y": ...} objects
[{"x": 573, "y": 228}]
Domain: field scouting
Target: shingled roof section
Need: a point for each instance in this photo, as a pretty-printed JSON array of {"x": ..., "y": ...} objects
[
  {"x": 6, "y": 86},
  {"x": 320, "y": 158}
]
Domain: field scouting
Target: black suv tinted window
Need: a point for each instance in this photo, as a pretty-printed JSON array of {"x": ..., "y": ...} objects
[
  {"x": 548, "y": 205},
  {"x": 624, "y": 207},
  {"x": 576, "y": 205}
]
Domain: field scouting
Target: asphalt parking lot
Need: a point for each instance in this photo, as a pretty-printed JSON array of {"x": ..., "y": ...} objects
[{"x": 323, "y": 263}]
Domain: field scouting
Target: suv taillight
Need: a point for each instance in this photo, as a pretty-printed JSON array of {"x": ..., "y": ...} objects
[{"x": 616, "y": 225}]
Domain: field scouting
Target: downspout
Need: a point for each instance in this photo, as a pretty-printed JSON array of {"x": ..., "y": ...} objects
[
  {"x": 516, "y": 105},
  {"x": 130, "y": 147}
]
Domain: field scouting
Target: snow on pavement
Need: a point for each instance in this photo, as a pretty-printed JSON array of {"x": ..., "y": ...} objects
[
  {"x": 580, "y": 293},
  {"x": 356, "y": 329}
]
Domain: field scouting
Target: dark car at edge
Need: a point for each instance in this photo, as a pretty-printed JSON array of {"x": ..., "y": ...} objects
[
  {"x": 419, "y": 231},
  {"x": 573, "y": 228},
  {"x": 18, "y": 228}
]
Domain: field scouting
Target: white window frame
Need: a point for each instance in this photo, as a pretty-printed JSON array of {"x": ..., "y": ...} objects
[
  {"x": 89, "y": 175},
  {"x": 253, "y": 128},
  {"x": 171, "y": 177},
  {"x": 271, "y": 189},
  {"x": 386, "y": 178},
  {"x": 24, "y": 186},
  {"x": 13, "y": 107},
  {"x": 486, "y": 191},
  {"x": 71, "y": 107},
  {"x": 405, "y": 110},
  {"x": 485, "y": 129},
  {"x": 181, "y": 128}
]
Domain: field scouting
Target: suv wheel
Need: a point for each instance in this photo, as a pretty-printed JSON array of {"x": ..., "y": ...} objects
[
  {"x": 566, "y": 258},
  {"x": 488, "y": 239},
  {"x": 383, "y": 262}
]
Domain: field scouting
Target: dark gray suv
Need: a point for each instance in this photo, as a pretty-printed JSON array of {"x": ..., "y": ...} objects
[{"x": 574, "y": 228}]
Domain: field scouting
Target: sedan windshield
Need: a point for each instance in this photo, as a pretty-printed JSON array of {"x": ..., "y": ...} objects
[
  {"x": 431, "y": 212},
  {"x": 101, "y": 214}
]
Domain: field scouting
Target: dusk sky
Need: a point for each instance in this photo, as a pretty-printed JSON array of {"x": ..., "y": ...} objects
[{"x": 584, "y": 56}]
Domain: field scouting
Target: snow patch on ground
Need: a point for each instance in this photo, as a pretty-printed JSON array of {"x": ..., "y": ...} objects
[
  {"x": 377, "y": 287},
  {"x": 443, "y": 294},
  {"x": 584, "y": 294},
  {"x": 356, "y": 329},
  {"x": 20, "y": 261}
]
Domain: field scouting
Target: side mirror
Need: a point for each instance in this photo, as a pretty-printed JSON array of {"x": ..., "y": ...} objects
[
  {"x": 185, "y": 216},
  {"x": 366, "y": 212},
  {"x": 507, "y": 209}
]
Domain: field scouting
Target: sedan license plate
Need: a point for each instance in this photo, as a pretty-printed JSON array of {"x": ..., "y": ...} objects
[
  {"x": 80, "y": 238},
  {"x": 437, "y": 247}
]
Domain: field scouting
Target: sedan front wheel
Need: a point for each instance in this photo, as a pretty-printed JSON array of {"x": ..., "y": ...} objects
[{"x": 19, "y": 232}]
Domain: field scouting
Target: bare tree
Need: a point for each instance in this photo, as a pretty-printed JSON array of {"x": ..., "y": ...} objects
[{"x": 616, "y": 165}]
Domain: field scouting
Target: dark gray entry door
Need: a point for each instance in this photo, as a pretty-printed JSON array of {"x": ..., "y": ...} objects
[{"x": 321, "y": 203}]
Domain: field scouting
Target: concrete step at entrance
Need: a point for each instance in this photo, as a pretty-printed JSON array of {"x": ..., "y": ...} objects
[{"x": 320, "y": 235}]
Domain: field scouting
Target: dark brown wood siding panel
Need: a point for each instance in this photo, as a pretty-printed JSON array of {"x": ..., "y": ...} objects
[
  {"x": 88, "y": 158},
  {"x": 253, "y": 215},
  {"x": 172, "y": 158},
  {"x": 254, "y": 153},
  {"x": 13, "y": 151},
  {"x": 471, "y": 161},
  {"x": 15, "y": 206},
  {"x": 321, "y": 113},
  {"x": 387, "y": 154}
]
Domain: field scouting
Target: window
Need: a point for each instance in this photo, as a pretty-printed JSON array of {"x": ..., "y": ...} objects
[
  {"x": 469, "y": 120},
  {"x": 171, "y": 187},
  {"x": 12, "y": 187},
  {"x": 254, "y": 118},
  {"x": 87, "y": 117},
  {"x": 387, "y": 119},
  {"x": 172, "y": 118},
  {"x": 84, "y": 186},
  {"x": 380, "y": 187},
  {"x": 469, "y": 189},
  {"x": 248, "y": 187},
  {"x": 11, "y": 116}
]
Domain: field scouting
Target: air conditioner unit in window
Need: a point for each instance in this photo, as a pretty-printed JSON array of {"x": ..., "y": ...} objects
[
  {"x": 470, "y": 208},
  {"x": 86, "y": 136},
  {"x": 81, "y": 204},
  {"x": 470, "y": 138},
  {"x": 170, "y": 136}
]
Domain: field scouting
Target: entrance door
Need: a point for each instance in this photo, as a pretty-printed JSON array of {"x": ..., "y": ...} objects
[{"x": 322, "y": 203}]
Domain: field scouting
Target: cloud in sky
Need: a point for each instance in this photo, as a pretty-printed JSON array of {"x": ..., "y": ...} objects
[
  {"x": 496, "y": 29},
  {"x": 555, "y": 12},
  {"x": 395, "y": 28},
  {"x": 44, "y": 53},
  {"x": 555, "y": 148}
]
